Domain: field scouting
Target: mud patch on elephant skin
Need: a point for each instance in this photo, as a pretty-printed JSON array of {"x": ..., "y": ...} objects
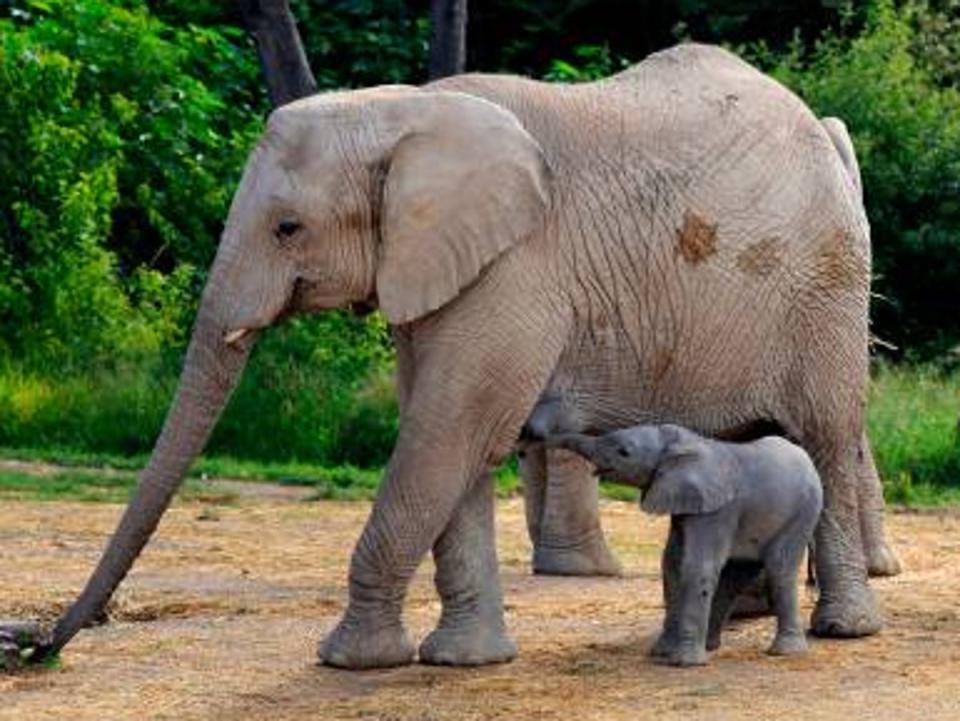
[
  {"x": 662, "y": 360},
  {"x": 761, "y": 258},
  {"x": 696, "y": 238},
  {"x": 839, "y": 264}
]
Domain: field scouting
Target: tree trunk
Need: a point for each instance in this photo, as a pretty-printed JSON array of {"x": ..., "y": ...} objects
[
  {"x": 448, "y": 43},
  {"x": 284, "y": 62}
]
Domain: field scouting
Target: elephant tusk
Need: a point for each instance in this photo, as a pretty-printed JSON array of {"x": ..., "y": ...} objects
[{"x": 232, "y": 337}]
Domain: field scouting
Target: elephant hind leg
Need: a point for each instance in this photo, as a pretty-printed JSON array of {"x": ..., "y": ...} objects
[
  {"x": 563, "y": 515},
  {"x": 880, "y": 558},
  {"x": 736, "y": 578},
  {"x": 847, "y": 607}
]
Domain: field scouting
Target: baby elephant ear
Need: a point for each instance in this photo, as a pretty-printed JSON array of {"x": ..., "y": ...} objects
[{"x": 689, "y": 481}]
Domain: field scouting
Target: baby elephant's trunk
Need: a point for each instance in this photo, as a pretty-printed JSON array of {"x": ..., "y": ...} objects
[{"x": 578, "y": 442}]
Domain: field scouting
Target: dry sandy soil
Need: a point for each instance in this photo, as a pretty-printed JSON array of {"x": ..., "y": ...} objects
[{"x": 221, "y": 617}]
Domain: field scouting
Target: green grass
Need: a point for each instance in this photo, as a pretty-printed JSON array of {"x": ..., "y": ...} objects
[
  {"x": 91, "y": 486},
  {"x": 912, "y": 418},
  {"x": 346, "y": 482}
]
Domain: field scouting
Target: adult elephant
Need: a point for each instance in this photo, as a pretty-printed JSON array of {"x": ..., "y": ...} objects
[
  {"x": 560, "y": 488},
  {"x": 676, "y": 243}
]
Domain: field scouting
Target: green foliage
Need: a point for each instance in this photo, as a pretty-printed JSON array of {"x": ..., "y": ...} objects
[
  {"x": 937, "y": 39},
  {"x": 906, "y": 129},
  {"x": 356, "y": 43},
  {"x": 118, "y": 164},
  {"x": 121, "y": 139},
  {"x": 592, "y": 63},
  {"x": 526, "y": 37},
  {"x": 307, "y": 395},
  {"x": 318, "y": 389}
]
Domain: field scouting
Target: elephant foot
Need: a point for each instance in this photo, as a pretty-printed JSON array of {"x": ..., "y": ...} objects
[
  {"x": 788, "y": 644},
  {"x": 881, "y": 561},
  {"x": 851, "y": 615},
  {"x": 662, "y": 647},
  {"x": 683, "y": 656},
  {"x": 475, "y": 645},
  {"x": 358, "y": 646},
  {"x": 592, "y": 559}
]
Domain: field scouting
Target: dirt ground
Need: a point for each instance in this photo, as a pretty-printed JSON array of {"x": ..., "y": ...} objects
[{"x": 221, "y": 616}]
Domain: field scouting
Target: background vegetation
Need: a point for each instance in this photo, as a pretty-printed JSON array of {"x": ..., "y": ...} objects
[{"x": 124, "y": 125}]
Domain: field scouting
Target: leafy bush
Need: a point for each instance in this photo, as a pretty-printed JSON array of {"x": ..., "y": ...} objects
[
  {"x": 356, "y": 43},
  {"x": 121, "y": 140},
  {"x": 937, "y": 40},
  {"x": 118, "y": 165},
  {"x": 592, "y": 62},
  {"x": 298, "y": 397}
]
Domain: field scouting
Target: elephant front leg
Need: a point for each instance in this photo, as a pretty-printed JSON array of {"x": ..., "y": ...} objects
[
  {"x": 736, "y": 577},
  {"x": 471, "y": 631},
  {"x": 567, "y": 537},
  {"x": 688, "y": 612},
  {"x": 670, "y": 565},
  {"x": 416, "y": 500},
  {"x": 371, "y": 632}
]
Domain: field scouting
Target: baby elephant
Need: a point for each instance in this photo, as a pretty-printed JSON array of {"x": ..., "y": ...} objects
[{"x": 736, "y": 509}]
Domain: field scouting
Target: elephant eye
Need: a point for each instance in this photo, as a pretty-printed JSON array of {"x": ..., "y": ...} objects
[
  {"x": 623, "y": 451},
  {"x": 286, "y": 228}
]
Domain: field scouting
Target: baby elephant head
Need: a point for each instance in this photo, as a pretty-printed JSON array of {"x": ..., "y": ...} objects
[{"x": 678, "y": 471}]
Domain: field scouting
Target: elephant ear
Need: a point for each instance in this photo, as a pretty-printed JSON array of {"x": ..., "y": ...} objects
[
  {"x": 466, "y": 182},
  {"x": 689, "y": 479}
]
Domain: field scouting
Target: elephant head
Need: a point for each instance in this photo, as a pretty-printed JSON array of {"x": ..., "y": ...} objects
[
  {"x": 395, "y": 197},
  {"x": 678, "y": 471}
]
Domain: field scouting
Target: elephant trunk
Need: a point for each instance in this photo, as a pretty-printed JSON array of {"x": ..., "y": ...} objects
[
  {"x": 585, "y": 445},
  {"x": 210, "y": 373}
]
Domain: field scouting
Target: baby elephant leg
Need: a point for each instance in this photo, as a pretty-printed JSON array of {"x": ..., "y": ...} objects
[
  {"x": 705, "y": 549},
  {"x": 782, "y": 563},
  {"x": 736, "y": 577},
  {"x": 670, "y": 570}
]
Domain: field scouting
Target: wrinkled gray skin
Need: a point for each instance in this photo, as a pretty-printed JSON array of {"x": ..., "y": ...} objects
[
  {"x": 560, "y": 489},
  {"x": 735, "y": 509},
  {"x": 678, "y": 243}
]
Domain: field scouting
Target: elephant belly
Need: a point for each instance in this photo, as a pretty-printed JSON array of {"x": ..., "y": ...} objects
[{"x": 598, "y": 396}]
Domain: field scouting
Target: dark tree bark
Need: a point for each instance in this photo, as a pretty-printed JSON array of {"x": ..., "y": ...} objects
[
  {"x": 284, "y": 62},
  {"x": 448, "y": 42}
]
